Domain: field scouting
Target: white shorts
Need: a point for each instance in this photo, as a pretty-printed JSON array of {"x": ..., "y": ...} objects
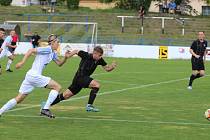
[
  {"x": 32, "y": 81},
  {"x": 5, "y": 52}
]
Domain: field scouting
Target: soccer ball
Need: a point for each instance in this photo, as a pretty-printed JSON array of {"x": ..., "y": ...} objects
[{"x": 207, "y": 114}]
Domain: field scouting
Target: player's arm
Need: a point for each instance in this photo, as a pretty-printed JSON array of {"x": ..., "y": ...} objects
[
  {"x": 10, "y": 46},
  {"x": 68, "y": 54},
  {"x": 205, "y": 53},
  {"x": 194, "y": 54},
  {"x": 194, "y": 46},
  {"x": 25, "y": 58},
  {"x": 110, "y": 67}
]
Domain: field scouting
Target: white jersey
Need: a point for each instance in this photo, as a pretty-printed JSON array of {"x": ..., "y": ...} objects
[
  {"x": 43, "y": 57},
  {"x": 6, "y": 42},
  {"x": 5, "y": 51}
]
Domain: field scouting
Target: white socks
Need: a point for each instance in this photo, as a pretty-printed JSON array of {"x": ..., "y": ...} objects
[
  {"x": 10, "y": 104},
  {"x": 8, "y": 64},
  {"x": 52, "y": 96}
]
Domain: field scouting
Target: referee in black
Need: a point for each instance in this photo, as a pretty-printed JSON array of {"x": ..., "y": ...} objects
[
  {"x": 198, "y": 51},
  {"x": 82, "y": 79}
]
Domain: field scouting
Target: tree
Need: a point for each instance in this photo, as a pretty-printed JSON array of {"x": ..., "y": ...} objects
[
  {"x": 133, "y": 4},
  {"x": 5, "y": 2}
]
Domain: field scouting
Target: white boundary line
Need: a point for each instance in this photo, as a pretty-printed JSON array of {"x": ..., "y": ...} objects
[
  {"x": 108, "y": 92},
  {"x": 119, "y": 120},
  {"x": 108, "y": 73},
  {"x": 115, "y": 82}
]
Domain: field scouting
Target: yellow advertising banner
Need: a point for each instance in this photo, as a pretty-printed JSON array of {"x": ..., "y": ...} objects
[{"x": 163, "y": 52}]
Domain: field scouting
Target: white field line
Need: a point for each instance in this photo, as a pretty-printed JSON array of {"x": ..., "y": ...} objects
[
  {"x": 120, "y": 120},
  {"x": 163, "y": 72},
  {"x": 116, "y": 82},
  {"x": 108, "y": 92}
]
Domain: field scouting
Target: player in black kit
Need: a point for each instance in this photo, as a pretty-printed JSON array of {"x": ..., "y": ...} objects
[
  {"x": 82, "y": 79},
  {"x": 198, "y": 51}
]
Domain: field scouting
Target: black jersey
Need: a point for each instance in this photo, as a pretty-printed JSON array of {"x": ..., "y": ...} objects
[
  {"x": 87, "y": 64},
  {"x": 1, "y": 42},
  {"x": 199, "y": 48}
]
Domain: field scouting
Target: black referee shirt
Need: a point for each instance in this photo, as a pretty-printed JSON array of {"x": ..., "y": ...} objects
[
  {"x": 198, "y": 47},
  {"x": 87, "y": 64}
]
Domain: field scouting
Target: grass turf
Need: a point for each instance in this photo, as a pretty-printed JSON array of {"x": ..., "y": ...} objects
[{"x": 141, "y": 99}]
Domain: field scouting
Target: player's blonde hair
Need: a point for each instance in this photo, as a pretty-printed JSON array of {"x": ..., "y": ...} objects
[{"x": 43, "y": 44}]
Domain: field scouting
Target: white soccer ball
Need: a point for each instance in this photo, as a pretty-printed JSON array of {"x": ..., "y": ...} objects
[{"x": 207, "y": 114}]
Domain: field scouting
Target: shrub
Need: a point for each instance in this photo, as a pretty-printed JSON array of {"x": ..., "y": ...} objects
[
  {"x": 5, "y": 2},
  {"x": 73, "y": 4}
]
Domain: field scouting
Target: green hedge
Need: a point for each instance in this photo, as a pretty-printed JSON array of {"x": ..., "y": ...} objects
[
  {"x": 133, "y": 4},
  {"x": 5, "y": 2},
  {"x": 73, "y": 4},
  {"x": 105, "y": 1}
]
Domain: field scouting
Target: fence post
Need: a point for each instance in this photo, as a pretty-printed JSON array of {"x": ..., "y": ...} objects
[{"x": 29, "y": 25}]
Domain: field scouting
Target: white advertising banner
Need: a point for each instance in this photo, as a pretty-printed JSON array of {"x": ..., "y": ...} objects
[
  {"x": 23, "y": 47},
  {"x": 124, "y": 51},
  {"x": 178, "y": 52},
  {"x": 136, "y": 51}
]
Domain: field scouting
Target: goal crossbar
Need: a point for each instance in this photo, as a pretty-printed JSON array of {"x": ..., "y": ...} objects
[{"x": 51, "y": 22}]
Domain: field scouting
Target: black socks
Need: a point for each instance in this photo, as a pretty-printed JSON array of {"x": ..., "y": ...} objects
[
  {"x": 58, "y": 99},
  {"x": 193, "y": 77},
  {"x": 92, "y": 96}
]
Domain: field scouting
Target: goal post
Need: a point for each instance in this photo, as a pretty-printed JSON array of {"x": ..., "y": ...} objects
[{"x": 59, "y": 27}]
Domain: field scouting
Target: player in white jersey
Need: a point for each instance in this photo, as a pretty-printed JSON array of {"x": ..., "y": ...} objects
[
  {"x": 34, "y": 77},
  {"x": 5, "y": 51}
]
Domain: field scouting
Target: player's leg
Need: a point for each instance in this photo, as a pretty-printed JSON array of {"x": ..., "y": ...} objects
[
  {"x": 12, "y": 103},
  {"x": 2, "y": 55},
  {"x": 55, "y": 89},
  {"x": 25, "y": 88},
  {"x": 10, "y": 60},
  {"x": 94, "y": 85},
  {"x": 198, "y": 71},
  {"x": 63, "y": 96},
  {"x": 201, "y": 73},
  {"x": 192, "y": 78},
  {"x": 72, "y": 90},
  {"x": 0, "y": 70}
]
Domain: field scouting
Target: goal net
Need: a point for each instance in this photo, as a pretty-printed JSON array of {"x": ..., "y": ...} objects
[{"x": 68, "y": 32}]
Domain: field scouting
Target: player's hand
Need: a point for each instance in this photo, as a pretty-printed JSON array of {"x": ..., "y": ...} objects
[
  {"x": 19, "y": 65},
  {"x": 1, "y": 50},
  {"x": 114, "y": 64},
  {"x": 197, "y": 56},
  {"x": 67, "y": 54}
]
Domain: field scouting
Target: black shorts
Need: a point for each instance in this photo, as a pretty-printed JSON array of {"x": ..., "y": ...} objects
[
  {"x": 197, "y": 64},
  {"x": 79, "y": 82},
  {"x": 11, "y": 49},
  {"x": 13, "y": 43}
]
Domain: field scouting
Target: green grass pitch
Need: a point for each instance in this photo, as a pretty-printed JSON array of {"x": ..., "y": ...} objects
[{"x": 141, "y": 100}]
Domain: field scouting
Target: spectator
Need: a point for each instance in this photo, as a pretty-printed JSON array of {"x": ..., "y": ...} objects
[
  {"x": 35, "y": 40},
  {"x": 15, "y": 40},
  {"x": 141, "y": 11},
  {"x": 53, "y": 4},
  {"x": 165, "y": 6},
  {"x": 172, "y": 7}
]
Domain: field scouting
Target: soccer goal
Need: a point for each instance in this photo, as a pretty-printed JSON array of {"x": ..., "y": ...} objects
[{"x": 68, "y": 32}]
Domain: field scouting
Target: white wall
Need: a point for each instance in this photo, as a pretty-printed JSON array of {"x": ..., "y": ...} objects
[{"x": 24, "y": 2}]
